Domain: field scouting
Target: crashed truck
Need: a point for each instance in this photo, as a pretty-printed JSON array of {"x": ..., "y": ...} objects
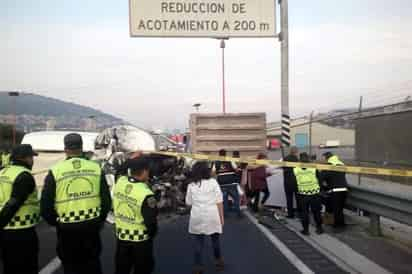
[{"x": 168, "y": 175}]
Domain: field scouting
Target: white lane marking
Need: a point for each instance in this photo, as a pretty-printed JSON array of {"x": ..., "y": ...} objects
[
  {"x": 51, "y": 267},
  {"x": 293, "y": 259}
]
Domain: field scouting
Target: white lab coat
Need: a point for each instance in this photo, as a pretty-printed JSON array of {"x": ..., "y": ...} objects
[{"x": 204, "y": 215}]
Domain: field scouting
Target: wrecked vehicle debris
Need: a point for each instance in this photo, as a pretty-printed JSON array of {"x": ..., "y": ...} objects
[{"x": 168, "y": 174}]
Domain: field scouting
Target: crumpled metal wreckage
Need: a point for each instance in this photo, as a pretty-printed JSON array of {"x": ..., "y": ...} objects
[{"x": 168, "y": 175}]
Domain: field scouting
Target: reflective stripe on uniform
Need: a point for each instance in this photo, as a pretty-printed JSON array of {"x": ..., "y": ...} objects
[
  {"x": 81, "y": 215},
  {"x": 132, "y": 235},
  {"x": 26, "y": 221},
  {"x": 225, "y": 173},
  {"x": 341, "y": 189}
]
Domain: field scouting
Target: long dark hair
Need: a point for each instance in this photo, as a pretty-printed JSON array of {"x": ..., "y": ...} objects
[{"x": 201, "y": 171}]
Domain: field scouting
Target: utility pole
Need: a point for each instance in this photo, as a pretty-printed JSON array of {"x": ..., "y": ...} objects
[
  {"x": 360, "y": 103},
  {"x": 310, "y": 132},
  {"x": 284, "y": 48},
  {"x": 357, "y": 156},
  {"x": 14, "y": 94}
]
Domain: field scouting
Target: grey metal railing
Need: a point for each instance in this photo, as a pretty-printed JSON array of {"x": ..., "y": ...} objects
[{"x": 394, "y": 206}]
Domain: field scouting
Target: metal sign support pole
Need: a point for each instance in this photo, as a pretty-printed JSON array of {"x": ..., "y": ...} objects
[{"x": 284, "y": 47}]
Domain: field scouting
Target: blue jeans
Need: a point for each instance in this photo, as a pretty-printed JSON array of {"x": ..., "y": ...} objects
[
  {"x": 199, "y": 242},
  {"x": 231, "y": 190}
]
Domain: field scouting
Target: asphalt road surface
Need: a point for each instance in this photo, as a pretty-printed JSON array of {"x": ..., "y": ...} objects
[{"x": 245, "y": 249}]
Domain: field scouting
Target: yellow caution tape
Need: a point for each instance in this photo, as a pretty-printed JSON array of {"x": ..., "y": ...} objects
[{"x": 347, "y": 169}]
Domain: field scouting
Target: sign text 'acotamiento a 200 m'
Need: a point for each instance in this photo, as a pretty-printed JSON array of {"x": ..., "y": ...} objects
[{"x": 202, "y": 18}]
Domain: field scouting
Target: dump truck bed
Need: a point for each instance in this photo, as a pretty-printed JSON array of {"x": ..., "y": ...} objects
[{"x": 243, "y": 132}]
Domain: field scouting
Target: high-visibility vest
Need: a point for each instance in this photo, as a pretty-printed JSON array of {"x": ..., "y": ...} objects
[
  {"x": 77, "y": 190},
  {"x": 334, "y": 160},
  {"x": 307, "y": 181},
  {"x": 127, "y": 204},
  {"x": 5, "y": 159},
  {"x": 28, "y": 215}
]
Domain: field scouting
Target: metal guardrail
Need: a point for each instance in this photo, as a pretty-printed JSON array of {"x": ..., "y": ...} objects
[{"x": 378, "y": 203}]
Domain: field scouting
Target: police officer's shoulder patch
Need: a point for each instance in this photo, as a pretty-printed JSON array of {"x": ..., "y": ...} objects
[{"x": 151, "y": 202}]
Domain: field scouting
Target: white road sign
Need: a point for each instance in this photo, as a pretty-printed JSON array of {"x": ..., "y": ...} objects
[{"x": 202, "y": 18}]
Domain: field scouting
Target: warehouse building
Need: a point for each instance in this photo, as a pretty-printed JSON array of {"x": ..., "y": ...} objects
[{"x": 321, "y": 134}]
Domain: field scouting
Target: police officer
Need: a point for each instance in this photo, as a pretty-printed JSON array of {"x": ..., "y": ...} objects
[
  {"x": 135, "y": 212},
  {"x": 337, "y": 186},
  {"x": 289, "y": 182},
  {"x": 76, "y": 200},
  {"x": 308, "y": 191},
  {"x": 19, "y": 214}
]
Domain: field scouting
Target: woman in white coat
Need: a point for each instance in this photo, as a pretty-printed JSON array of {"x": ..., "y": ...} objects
[{"x": 206, "y": 216}]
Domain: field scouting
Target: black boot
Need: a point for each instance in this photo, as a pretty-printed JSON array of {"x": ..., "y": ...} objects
[
  {"x": 198, "y": 269},
  {"x": 220, "y": 265}
]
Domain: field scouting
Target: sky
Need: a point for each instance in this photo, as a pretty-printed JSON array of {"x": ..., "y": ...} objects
[{"x": 80, "y": 51}]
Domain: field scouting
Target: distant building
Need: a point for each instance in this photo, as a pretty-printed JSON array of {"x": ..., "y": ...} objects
[
  {"x": 321, "y": 133},
  {"x": 7, "y": 119},
  {"x": 89, "y": 124}
]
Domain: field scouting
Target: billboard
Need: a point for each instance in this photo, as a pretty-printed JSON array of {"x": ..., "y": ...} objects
[{"x": 202, "y": 18}]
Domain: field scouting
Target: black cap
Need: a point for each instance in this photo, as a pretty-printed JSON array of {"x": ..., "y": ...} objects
[
  {"x": 22, "y": 151},
  {"x": 327, "y": 154},
  {"x": 139, "y": 164},
  {"x": 73, "y": 141}
]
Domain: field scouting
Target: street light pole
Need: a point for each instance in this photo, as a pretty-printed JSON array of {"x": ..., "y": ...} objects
[
  {"x": 14, "y": 94},
  {"x": 284, "y": 48},
  {"x": 223, "y": 46}
]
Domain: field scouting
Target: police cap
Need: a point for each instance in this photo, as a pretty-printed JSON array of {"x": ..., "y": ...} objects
[
  {"x": 327, "y": 154},
  {"x": 22, "y": 151}
]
